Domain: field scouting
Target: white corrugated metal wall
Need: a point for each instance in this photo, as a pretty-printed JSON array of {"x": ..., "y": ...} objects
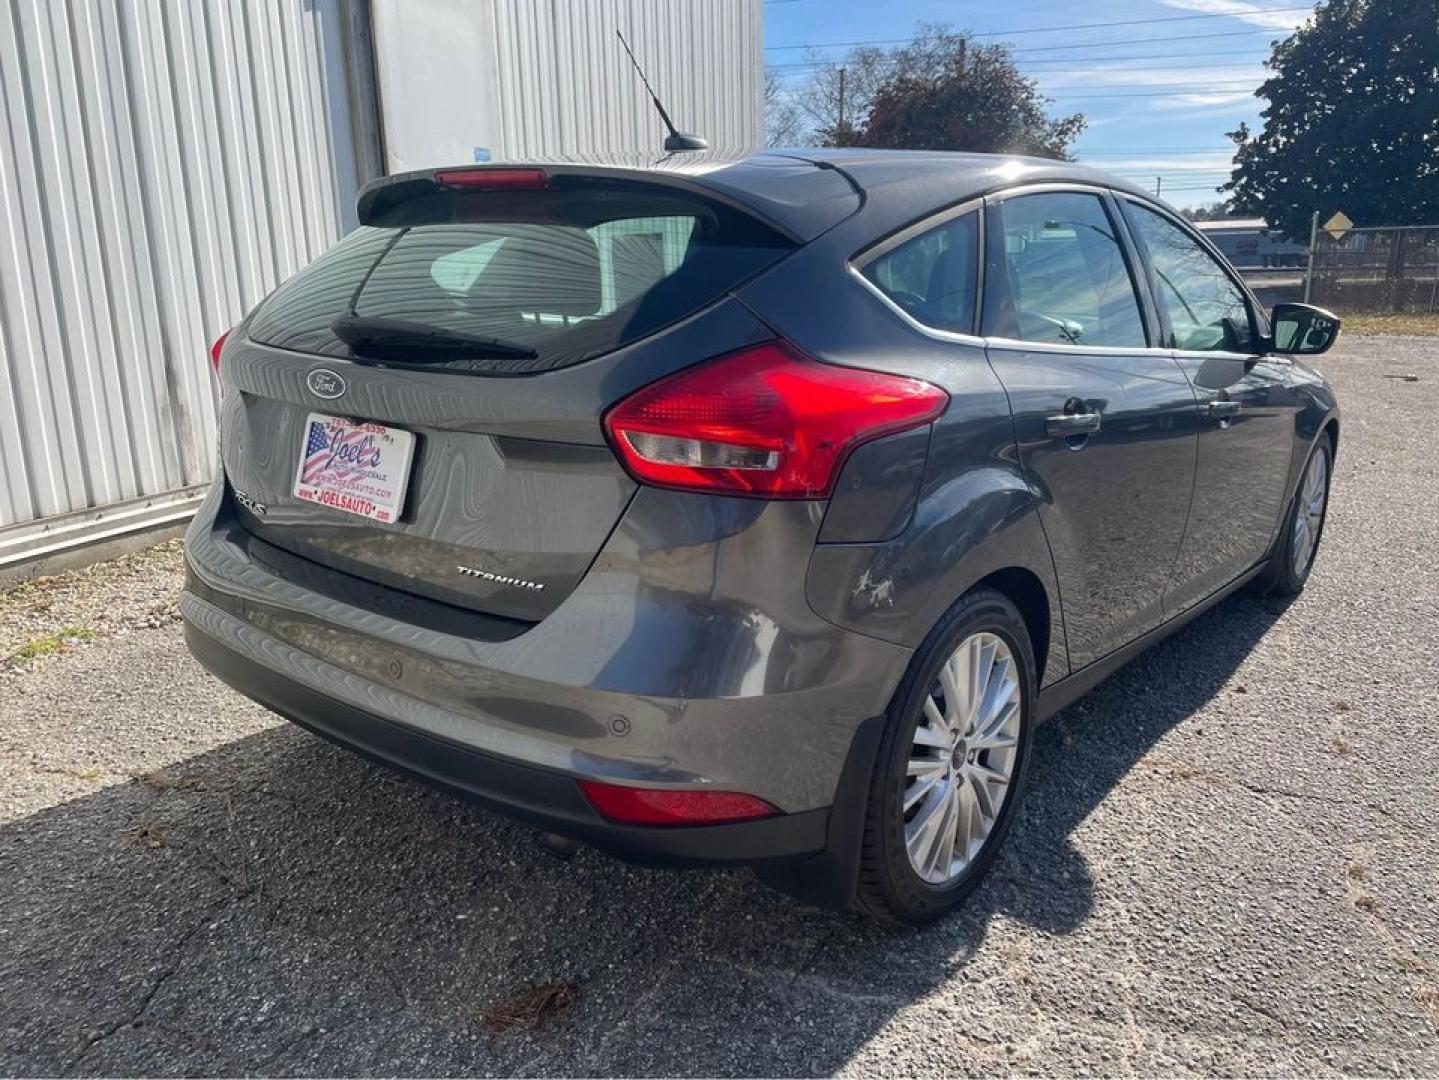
[
  {"x": 547, "y": 79},
  {"x": 163, "y": 164}
]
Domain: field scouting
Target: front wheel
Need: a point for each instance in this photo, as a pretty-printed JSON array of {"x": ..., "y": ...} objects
[
  {"x": 1293, "y": 556},
  {"x": 950, "y": 770}
]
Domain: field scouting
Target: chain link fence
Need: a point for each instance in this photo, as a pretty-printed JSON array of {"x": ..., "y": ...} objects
[{"x": 1374, "y": 270}]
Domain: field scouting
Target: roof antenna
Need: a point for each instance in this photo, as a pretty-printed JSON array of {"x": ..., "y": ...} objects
[{"x": 676, "y": 142}]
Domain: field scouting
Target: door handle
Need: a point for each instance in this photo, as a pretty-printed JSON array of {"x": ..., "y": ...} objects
[
  {"x": 1067, "y": 425},
  {"x": 1224, "y": 410}
]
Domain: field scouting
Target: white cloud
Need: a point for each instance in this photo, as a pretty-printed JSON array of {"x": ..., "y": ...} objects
[
  {"x": 1099, "y": 75},
  {"x": 1207, "y": 101},
  {"x": 1219, "y": 161},
  {"x": 1270, "y": 20}
]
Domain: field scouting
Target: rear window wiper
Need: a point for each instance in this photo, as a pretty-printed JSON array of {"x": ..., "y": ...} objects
[{"x": 402, "y": 341}]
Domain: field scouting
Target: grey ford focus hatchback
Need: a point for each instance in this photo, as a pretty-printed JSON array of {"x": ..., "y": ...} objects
[{"x": 748, "y": 511}]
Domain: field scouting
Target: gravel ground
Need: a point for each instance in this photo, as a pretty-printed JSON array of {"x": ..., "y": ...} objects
[{"x": 1227, "y": 863}]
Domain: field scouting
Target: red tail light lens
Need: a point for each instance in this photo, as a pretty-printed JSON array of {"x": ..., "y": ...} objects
[
  {"x": 492, "y": 179},
  {"x": 766, "y": 421},
  {"x": 215, "y": 350},
  {"x": 653, "y": 806}
]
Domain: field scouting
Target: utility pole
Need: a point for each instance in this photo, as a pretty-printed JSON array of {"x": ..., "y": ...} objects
[
  {"x": 1158, "y": 184},
  {"x": 841, "y": 129},
  {"x": 1309, "y": 270}
]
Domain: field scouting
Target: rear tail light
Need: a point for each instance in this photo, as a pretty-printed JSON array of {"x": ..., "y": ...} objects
[
  {"x": 215, "y": 350},
  {"x": 655, "y": 806},
  {"x": 766, "y": 421},
  {"x": 492, "y": 179}
]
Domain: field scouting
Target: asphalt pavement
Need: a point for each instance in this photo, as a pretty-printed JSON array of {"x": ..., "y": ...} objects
[{"x": 1228, "y": 862}]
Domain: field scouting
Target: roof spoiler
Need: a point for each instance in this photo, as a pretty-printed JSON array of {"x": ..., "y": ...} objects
[{"x": 378, "y": 197}]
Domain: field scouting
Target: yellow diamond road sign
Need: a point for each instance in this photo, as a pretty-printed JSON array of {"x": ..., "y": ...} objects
[{"x": 1338, "y": 225}]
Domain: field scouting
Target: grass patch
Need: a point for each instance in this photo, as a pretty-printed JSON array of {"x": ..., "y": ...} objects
[
  {"x": 147, "y": 835},
  {"x": 62, "y": 640},
  {"x": 532, "y": 1008},
  {"x": 1384, "y": 322},
  {"x": 162, "y": 780}
]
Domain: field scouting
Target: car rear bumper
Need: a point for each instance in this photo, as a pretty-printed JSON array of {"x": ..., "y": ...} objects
[
  {"x": 545, "y": 798},
  {"x": 690, "y": 670}
]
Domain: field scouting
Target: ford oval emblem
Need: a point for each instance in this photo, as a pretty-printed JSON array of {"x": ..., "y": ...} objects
[{"x": 324, "y": 383}]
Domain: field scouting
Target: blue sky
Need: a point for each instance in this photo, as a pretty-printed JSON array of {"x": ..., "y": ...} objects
[{"x": 1159, "y": 92}]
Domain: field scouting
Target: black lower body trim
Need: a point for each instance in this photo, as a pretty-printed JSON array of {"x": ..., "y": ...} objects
[
  {"x": 545, "y": 798},
  {"x": 1075, "y": 685}
]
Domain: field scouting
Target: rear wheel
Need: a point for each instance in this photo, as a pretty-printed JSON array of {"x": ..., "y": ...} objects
[
  {"x": 951, "y": 768},
  {"x": 1293, "y": 556}
]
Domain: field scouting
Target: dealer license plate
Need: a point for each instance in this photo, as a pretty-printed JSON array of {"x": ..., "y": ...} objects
[{"x": 354, "y": 466}]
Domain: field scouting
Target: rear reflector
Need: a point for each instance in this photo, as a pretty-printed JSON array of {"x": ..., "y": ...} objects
[
  {"x": 215, "y": 350},
  {"x": 492, "y": 179},
  {"x": 653, "y": 806},
  {"x": 766, "y": 421}
]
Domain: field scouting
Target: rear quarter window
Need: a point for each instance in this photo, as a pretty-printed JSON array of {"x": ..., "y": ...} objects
[{"x": 933, "y": 277}]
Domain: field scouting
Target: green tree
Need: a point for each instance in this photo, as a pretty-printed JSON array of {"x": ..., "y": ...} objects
[
  {"x": 1352, "y": 122},
  {"x": 1219, "y": 211},
  {"x": 945, "y": 91}
]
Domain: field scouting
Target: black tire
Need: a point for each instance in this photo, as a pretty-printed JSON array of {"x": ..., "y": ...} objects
[
  {"x": 1280, "y": 576},
  {"x": 889, "y": 887}
]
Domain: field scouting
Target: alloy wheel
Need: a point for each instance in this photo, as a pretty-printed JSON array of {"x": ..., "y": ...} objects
[
  {"x": 962, "y": 758},
  {"x": 1309, "y": 514}
]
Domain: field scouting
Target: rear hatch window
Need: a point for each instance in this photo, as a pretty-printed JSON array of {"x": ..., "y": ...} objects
[{"x": 517, "y": 282}]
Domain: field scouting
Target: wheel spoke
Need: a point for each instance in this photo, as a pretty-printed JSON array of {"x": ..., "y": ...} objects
[
  {"x": 922, "y": 834},
  {"x": 989, "y": 776},
  {"x": 924, "y": 736},
  {"x": 981, "y": 666},
  {"x": 918, "y": 790},
  {"x": 988, "y": 803},
  {"x": 964, "y": 826},
  {"x": 934, "y": 715},
  {"x": 996, "y": 735},
  {"x": 926, "y": 766},
  {"x": 944, "y": 848},
  {"x": 952, "y": 681},
  {"x": 1000, "y": 692}
]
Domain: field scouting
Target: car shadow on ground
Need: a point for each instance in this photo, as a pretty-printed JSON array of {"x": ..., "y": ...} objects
[{"x": 280, "y": 906}]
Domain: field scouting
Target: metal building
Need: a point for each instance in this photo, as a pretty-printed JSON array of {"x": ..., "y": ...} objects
[{"x": 165, "y": 164}]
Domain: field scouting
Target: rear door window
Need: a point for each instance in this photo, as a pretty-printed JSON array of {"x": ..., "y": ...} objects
[
  {"x": 1057, "y": 274},
  {"x": 553, "y": 277}
]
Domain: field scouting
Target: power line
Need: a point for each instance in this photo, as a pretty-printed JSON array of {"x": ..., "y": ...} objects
[
  {"x": 1157, "y": 150},
  {"x": 1143, "y": 41},
  {"x": 1198, "y": 86},
  {"x": 788, "y": 70},
  {"x": 1040, "y": 29},
  {"x": 1195, "y": 172},
  {"x": 1261, "y": 52},
  {"x": 1086, "y": 45},
  {"x": 1241, "y": 92}
]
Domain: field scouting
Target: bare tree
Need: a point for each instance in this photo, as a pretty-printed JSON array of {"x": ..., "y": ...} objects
[
  {"x": 784, "y": 126},
  {"x": 836, "y": 97}
]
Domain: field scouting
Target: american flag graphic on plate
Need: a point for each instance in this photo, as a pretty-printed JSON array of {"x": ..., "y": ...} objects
[{"x": 354, "y": 466}]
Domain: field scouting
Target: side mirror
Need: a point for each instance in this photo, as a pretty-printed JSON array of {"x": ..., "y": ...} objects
[{"x": 1303, "y": 330}]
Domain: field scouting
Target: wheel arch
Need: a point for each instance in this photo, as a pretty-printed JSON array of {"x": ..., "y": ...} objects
[
  {"x": 981, "y": 529},
  {"x": 1026, "y": 591}
]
